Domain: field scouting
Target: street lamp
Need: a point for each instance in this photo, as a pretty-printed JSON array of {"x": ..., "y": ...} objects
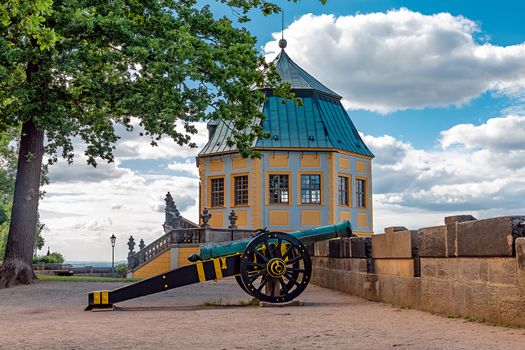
[{"x": 113, "y": 239}]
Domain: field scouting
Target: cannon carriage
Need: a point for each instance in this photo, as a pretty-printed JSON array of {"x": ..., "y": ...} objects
[{"x": 272, "y": 266}]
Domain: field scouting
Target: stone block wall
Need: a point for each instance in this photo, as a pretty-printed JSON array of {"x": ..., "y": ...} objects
[{"x": 466, "y": 268}]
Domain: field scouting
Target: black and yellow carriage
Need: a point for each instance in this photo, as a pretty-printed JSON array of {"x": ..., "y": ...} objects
[{"x": 272, "y": 266}]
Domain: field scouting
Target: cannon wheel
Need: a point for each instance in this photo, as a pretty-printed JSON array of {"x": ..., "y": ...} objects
[
  {"x": 265, "y": 262},
  {"x": 295, "y": 275}
]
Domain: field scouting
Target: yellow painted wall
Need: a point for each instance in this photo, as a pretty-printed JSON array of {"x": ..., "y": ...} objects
[
  {"x": 239, "y": 163},
  {"x": 242, "y": 218},
  {"x": 345, "y": 215},
  {"x": 256, "y": 193},
  {"x": 332, "y": 189},
  {"x": 279, "y": 217},
  {"x": 370, "y": 199},
  {"x": 184, "y": 252},
  {"x": 217, "y": 219},
  {"x": 202, "y": 185},
  {"x": 310, "y": 161},
  {"x": 344, "y": 163},
  {"x": 278, "y": 160},
  {"x": 216, "y": 165},
  {"x": 154, "y": 267},
  {"x": 362, "y": 219},
  {"x": 361, "y": 167},
  {"x": 310, "y": 217}
]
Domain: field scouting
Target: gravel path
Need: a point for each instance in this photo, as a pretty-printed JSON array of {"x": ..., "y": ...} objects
[{"x": 48, "y": 315}]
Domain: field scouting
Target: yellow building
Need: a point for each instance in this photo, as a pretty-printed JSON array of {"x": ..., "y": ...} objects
[{"x": 315, "y": 169}]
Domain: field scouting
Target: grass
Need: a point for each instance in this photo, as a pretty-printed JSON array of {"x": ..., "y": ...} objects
[{"x": 84, "y": 278}]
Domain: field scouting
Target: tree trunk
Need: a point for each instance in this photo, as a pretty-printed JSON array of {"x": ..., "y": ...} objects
[{"x": 17, "y": 267}]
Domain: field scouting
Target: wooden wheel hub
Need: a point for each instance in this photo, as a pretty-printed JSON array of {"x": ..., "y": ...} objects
[{"x": 276, "y": 267}]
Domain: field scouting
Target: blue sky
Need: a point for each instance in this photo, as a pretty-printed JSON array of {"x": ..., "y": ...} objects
[
  {"x": 501, "y": 23},
  {"x": 436, "y": 88}
]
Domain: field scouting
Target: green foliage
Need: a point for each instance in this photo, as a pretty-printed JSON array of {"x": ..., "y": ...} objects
[
  {"x": 121, "y": 269},
  {"x": 27, "y": 17},
  {"x": 53, "y": 258},
  {"x": 39, "y": 240},
  {"x": 8, "y": 159},
  {"x": 168, "y": 63},
  {"x": 4, "y": 229}
]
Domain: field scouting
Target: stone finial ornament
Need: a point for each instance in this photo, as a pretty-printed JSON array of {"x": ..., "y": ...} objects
[
  {"x": 205, "y": 216},
  {"x": 131, "y": 245},
  {"x": 141, "y": 244},
  {"x": 233, "y": 219},
  {"x": 172, "y": 218}
]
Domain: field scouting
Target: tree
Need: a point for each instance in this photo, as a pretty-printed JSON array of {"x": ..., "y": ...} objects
[
  {"x": 8, "y": 159},
  {"x": 76, "y": 68}
]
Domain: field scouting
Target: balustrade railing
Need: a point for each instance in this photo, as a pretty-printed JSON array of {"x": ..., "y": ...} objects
[{"x": 194, "y": 235}]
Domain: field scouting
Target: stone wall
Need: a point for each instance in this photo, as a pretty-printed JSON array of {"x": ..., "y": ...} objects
[{"x": 465, "y": 268}]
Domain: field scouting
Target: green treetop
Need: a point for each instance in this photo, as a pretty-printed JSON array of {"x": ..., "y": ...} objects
[{"x": 76, "y": 68}]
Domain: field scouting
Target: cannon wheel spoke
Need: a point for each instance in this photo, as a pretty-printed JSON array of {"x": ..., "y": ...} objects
[
  {"x": 283, "y": 285},
  {"x": 263, "y": 282},
  {"x": 270, "y": 275},
  {"x": 256, "y": 275},
  {"x": 268, "y": 249},
  {"x": 295, "y": 260},
  {"x": 260, "y": 255},
  {"x": 257, "y": 265}
]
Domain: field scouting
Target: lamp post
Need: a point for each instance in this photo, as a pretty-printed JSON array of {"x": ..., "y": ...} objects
[{"x": 113, "y": 239}]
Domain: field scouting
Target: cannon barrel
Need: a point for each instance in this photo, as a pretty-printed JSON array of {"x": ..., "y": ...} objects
[{"x": 322, "y": 233}]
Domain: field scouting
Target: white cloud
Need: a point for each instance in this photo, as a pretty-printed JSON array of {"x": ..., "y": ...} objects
[
  {"x": 133, "y": 146},
  {"x": 402, "y": 59},
  {"x": 187, "y": 168},
  {"x": 497, "y": 134},
  {"x": 483, "y": 175},
  {"x": 81, "y": 215}
]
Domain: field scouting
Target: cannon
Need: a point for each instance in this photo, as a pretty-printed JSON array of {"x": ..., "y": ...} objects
[{"x": 271, "y": 266}]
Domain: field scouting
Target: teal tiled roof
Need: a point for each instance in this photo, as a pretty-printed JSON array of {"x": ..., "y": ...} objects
[
  {"x": 298, "y": 78},
  {"x": 319, "y": 122}
]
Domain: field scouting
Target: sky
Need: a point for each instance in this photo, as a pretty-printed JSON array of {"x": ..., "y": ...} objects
[{"x": 436, "y": 89}]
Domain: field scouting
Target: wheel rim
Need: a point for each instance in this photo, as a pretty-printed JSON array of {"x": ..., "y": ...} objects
[{"x": 275, "y": 267}]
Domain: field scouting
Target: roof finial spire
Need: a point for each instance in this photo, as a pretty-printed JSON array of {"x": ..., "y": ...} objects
[{"x": 282, "y": 42}]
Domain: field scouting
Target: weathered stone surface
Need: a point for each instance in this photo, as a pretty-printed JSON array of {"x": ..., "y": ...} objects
[
  {"x": 354, "y": 247},
  {"x": 361, "y": 247},
  {"x": 334, "y": 248},
  {"x": 395, "y": 267},
  {"x": 520, "y": 262},
  {"x": 345, "y": 247},
  {"x": 310, "y": 249},
  {"x": 447, "y": 268},
  {"x": 483, "y": 287},
  {"x": 451, "y": 223},
  {"x": 379, "y": 246},
  {"x": 394, "y": 244},
  {"x": 321, "y": 248},
  {"x": 458, "y": 218},
  {"x": 393, "y": 229},
  {"x": 469, "y": 269},
  {"x": 429, "y": 267},
  {"x": 489, "y": 237},
  {"x": 501, "y": 271},
  {"x": 400, "y": 244},
  {"x": 432, "y": 242}
]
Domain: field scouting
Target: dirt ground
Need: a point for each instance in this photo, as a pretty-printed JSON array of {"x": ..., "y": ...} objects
[{"x": 49, "y": 315}]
